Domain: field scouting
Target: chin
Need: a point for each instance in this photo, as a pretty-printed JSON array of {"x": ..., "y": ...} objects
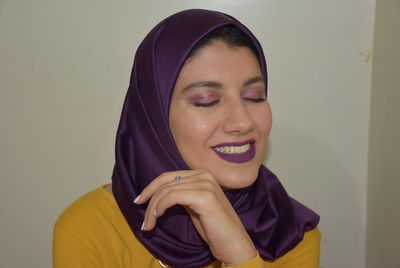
[{"x": 237, "y": 180}]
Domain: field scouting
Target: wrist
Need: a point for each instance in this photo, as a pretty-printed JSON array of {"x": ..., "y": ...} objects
[
  {"x": 243, "y": 252},
  {"x": 252, "y": 260}
]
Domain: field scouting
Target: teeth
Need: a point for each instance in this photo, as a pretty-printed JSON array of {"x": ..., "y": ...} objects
[{"x": 233, "y": 149}]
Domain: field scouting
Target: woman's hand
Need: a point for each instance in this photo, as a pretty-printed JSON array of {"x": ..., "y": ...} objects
[{"x": 211, "y": 213}]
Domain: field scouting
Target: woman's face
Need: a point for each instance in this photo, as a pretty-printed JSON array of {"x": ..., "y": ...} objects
[{"x": 219, "y": 117}]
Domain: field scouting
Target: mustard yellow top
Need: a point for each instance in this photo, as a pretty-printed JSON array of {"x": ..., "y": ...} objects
[{"x": 92, "y": 232}]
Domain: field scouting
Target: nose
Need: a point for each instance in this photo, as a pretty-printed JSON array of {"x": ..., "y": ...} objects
[{"x": 238, "y": 120}]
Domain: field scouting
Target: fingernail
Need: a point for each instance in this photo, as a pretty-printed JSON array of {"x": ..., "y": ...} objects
[
  {"x": 155, "y": 213},
  {"x": 136, "y": 199},
  {"x": 143, "y": 225}
]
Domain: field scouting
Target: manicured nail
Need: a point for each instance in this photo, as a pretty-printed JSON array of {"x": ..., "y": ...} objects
[
  {"x": 155, "y": 213},
  {"x": 143, "y": 225},
  {"x": 136, "y": 199}
]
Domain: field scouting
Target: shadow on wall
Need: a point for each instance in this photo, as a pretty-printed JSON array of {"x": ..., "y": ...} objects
[{"x": 314, "y": 175}]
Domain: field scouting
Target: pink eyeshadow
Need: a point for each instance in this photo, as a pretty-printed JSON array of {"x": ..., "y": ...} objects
[
  {"x": 202, "y": 98},
  {"x": 253, "y": 93}
]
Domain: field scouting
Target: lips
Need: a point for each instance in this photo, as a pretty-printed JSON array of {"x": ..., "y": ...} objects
[{"x": 236, "y": 152}]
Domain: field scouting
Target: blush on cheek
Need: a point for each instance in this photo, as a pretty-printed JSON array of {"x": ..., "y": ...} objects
[{"x": 264, "y": 122}]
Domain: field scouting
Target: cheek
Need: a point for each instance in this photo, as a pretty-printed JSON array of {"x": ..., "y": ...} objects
[
  {"x": 190, "y": 130},
  {"x": 263, "y": 121},
  {"x": 192, "y": 134},
  {"x": 267, "y": 124}
]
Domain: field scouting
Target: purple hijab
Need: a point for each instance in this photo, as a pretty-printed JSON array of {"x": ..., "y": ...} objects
[{"x": 145, "y": 149}]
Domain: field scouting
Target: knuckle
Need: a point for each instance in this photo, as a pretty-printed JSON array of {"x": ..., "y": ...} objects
[
  {"x": 207, "y": 197},
  {"x": 159, "y": 211},
  {"x": 167, "y": 173},
  {"x": 209, "y": 176},
  {"x": 170, "y": 194},
  {"x": 209, "y": 185},
  {"x": 205, "y": 172},
  {"x": 163, "y": 190}
]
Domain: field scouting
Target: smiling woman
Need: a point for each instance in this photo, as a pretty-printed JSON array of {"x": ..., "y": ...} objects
[
  {"x": 221, "y": 121},
  {"x": 189, "y": 188}
]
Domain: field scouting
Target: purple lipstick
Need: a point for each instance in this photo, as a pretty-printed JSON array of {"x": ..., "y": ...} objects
[{"x": 236, "y": 152}]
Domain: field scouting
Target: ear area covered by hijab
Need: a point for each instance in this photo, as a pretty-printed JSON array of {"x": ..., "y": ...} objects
[{"x": 145, "y": 149}]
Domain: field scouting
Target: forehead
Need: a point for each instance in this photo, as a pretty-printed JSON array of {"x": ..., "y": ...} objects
[{"x": 218, "y": 61}]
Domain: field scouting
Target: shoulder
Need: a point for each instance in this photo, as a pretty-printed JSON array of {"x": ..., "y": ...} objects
[
  {"x": 309, "y": 246},
  {"x": 306, "y": 252},
  {"x": 86, "y": 211},
  {"x": 84, "y": 234},
  {"x": 310, "y": 241},
  {"x": 92, "y": 232}
]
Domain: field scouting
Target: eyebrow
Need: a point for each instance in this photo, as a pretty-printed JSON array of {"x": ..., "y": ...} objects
[
  {"x": 212, "y": 84},
  {"x": 253, "y": 81},
  {"x": 218, "y": 85}
]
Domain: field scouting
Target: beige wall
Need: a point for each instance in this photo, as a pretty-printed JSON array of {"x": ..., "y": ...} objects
[
  {"x": 64, "y": 70},
  {"x": 383, "y": 234}
]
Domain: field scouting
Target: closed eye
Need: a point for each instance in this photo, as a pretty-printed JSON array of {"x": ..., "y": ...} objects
[
  {"x": 205, "y": 105},
  {"x": 256, "y": 100}
]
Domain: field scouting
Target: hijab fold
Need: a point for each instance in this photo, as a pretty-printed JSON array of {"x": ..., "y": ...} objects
[{"x": 145, "y": 149}]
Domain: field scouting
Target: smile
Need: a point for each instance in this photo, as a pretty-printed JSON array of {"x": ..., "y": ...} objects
[
  {"x": 236, "y": 152},
  {"x": 233, "y": 149}
]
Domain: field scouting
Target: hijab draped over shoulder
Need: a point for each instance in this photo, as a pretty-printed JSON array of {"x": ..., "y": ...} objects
[{"x": 145, "y": 149}]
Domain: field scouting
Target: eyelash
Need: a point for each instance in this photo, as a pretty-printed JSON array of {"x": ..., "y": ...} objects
[
  {"x": 205, "y": 105},
  {"x": 258, "y": 100}
]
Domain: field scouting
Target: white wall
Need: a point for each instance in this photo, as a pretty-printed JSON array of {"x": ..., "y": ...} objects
[
  {"x": 383, "y": 234},
  {"x": 64, "y": 71}
]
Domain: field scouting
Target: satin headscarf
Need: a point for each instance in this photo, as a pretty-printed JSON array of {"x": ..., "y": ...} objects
[{"x": 145, "y": 149}]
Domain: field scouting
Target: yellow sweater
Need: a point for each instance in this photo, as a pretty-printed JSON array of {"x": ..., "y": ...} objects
[{"x": 92, "y": 232}]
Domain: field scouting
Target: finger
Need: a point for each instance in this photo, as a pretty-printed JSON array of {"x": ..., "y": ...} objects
[
  {"x": 197, "y": 181},
  {"x": 152, "y": 212},
  {"x": 194, "y": 199},
  {"x": 216, "y": 188},
  {"x": 164, "y": 178}
]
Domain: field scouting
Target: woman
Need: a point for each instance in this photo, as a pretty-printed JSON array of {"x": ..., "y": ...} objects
[{"x": 188, "y": 187}]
